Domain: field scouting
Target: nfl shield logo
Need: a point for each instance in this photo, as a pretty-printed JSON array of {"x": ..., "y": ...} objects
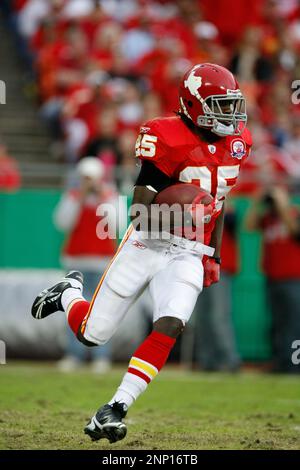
[
  {"x": 212, "y": 148},
  {"x": 238, "y": 149}
]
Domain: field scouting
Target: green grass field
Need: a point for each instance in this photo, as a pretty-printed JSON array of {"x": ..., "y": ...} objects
[{"x": 41, "y": 408}]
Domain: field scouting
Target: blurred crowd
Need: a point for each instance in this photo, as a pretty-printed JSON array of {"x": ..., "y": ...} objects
[{"x": 102, "y": 67}]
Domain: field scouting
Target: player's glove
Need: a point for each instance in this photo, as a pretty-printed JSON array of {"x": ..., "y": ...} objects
[{"x": 211, "y": 271}]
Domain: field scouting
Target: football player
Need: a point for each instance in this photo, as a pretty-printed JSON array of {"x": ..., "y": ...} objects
[{"x": 205, "y": 144}]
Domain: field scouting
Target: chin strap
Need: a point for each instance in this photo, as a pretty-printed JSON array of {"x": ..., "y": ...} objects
[{"x": 221, "y": 129}]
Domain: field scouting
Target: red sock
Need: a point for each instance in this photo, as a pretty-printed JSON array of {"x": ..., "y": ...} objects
[
  {"x": 77, "y": 313},
  {"x": 151, "y": 355}
]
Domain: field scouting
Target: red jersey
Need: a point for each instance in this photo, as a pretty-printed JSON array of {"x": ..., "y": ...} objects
[
  {"x": 185, "y": 157},
  {"x": 83, "y": 239},
  {"x": 281, "y": 252}
]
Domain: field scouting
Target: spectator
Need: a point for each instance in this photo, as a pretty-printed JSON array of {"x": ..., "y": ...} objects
[
  {"x": 292, "y": 146},
  {"x": 106, "y": 41},
  {"x": 84, "y": 115},
  {"x": 10, "y": 179},
  {"x": 215, "y": 339},
  {"x": 248, "y": 63},
  {"x": 138, "y": 40},
  {"x": 104, "y": 145},
  {"x": 30, "y": 16},
  {"x": 130, "y": 108},
  {"x": 127, "y": 171},
  {"x": 76, "y": 215},
  {"x": 279, "y": 222},
  {"x": 152, "y": 106}
]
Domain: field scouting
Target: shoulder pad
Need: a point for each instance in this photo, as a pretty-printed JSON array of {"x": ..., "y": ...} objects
[{"x": 246, "y": 135}]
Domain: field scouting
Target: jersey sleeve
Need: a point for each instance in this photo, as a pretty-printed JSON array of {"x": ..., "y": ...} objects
[
  {"x": 151, "y": 146},
  {"x": 152, "y": 177},
  {"x": 246, "y": 135}
]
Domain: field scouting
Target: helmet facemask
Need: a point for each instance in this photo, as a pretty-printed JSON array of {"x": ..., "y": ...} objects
[{"x": 224, "y": 114}]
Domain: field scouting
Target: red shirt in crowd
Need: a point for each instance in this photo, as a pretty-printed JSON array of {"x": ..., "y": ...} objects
[
  {"x": 83, "y": 239},
  {"x": 281, "y": 252},
  {"x": 10, "y": 179}
]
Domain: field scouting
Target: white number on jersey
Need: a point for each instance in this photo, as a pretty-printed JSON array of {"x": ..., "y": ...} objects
[
  {"x": 145, "y": 145},
  {"x": 217, "y": 181}
]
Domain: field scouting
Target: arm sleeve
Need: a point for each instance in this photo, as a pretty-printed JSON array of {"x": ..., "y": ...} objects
[
  {"x": 66, "y": 213},
  {"x": 150, "y": 175}
]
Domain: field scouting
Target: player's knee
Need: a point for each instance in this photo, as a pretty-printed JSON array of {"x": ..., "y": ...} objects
[
  {"x": 169, "y": 326},
  {"x": 98, "y": 333}
]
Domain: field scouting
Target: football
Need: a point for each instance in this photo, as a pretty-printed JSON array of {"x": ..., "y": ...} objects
[{"x": 183, "y": 193}]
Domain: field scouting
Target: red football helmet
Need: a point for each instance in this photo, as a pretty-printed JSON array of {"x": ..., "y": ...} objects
[{"x": 209, "y": 95}]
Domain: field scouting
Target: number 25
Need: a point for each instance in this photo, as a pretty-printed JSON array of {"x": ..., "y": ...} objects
[
  {"x": 145, "y": 145},
  {"x": 217, "y": 181}
]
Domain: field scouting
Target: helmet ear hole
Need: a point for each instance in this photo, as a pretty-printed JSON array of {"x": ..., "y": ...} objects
[{"x": 190, "y": 103}]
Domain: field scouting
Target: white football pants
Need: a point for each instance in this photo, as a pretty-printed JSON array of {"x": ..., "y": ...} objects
[{"x": 172, "y": 270}]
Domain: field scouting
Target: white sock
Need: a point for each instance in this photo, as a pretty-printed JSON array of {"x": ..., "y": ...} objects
[
  {"x": 72, "y": 293},
  {"x": 69, "y": 295},
  {"x": 131, "y": 387}
]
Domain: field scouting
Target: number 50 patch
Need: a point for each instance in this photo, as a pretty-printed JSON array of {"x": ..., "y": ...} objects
[{"x": 145, "y": 145}]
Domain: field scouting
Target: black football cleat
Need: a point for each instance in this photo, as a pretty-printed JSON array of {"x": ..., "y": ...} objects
[
  {"x": 107, "y": 423},
  {"x": 49, "y": 300}
]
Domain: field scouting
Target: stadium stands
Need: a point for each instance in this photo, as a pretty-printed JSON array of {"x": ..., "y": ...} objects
[{"x": 102, "y": 67}]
